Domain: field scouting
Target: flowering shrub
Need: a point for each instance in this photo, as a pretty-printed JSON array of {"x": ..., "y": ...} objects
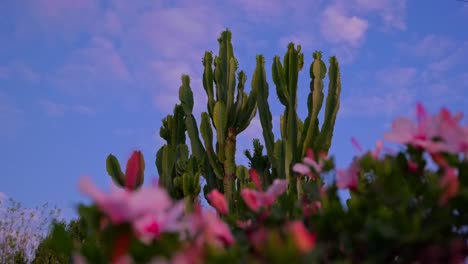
[{"x": 400, "y": 210}]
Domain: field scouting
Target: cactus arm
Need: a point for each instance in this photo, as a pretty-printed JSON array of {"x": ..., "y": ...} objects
[
  {"x": 207, "y": 134},
  {"x": 220, "y": 123},
  {"x": 248, "y": 113},
  {"x": 332, "y": 105},
  {"x": 317, "y": 73},
  {"x": 208, "y": 80},
  {"x": 231, "y": 85},
  {"x": 260, "y": 85},
  {"x": 280, "y": 80}
]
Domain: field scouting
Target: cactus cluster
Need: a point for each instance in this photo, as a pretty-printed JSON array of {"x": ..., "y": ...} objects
[
  {"x": 178, "y": 171},
  {"x": 229, "y": 111},
  {"x": 296, "y": 136}
]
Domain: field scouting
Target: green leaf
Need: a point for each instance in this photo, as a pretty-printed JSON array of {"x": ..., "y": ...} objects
[{"x": 114, "y": 170}]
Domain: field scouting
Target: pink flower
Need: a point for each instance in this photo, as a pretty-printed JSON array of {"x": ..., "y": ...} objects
[
  {"x": 218, "y": 201},
  {"x": 251, "y": 198},
  {"x": 309, "y": 161},
  {"x": 134, "y": 171},
  {"x": 151, "y": 226},
  {"x": 437, "y": 133},
  {"x": 255, "y": 178},
  {"x": 348, "y": 178},
  {"x": 258, "y": 199},
  {"x": 208, "y": 228},
  {"x": 450, "y": 184},
  {"x": 304, "y": 240},
  {"x": 302, "y": 169},
  {"x": 148, "y": 209}
]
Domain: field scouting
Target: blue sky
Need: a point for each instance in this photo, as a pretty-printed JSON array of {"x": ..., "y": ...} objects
[{"x": 80, "y": 79}]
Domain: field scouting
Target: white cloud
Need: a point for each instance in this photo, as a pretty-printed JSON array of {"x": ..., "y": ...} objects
[
  {"x": 338, "y": 27},
  {"x": 391, "y": 12}
]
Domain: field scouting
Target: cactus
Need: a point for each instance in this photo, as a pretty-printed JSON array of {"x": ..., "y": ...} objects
[
  {"x": 230, "y": 110},
  {"x": 296, "y": 136},
  {"x": 178, "y": 173}
]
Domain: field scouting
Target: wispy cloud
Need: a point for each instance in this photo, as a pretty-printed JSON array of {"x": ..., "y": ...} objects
[
  {"x": 338, "y": 27},
  {"x": 431, "y": 45},
  {"x": 455, "y": 57},
  {"x": 392, "y": 93}
]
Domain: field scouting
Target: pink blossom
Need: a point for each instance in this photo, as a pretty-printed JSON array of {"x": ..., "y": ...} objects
[
  {"x": 304, "y": 240},
  {"x": 255, "y": 178},
  {"x": 348, "y": 178},
  {"x": 450, "y": 184},
  {"x": 208, "y": 228},
  {"x": 134, "y": 171},
  {"x": 258, "y": 199},
  {"x": 309, "y": 161},
  {"x": 151, "y": 226},
  {"x": 302, "y": 169},
  {"x": 145, "y": 209},
  {"x": 438, "y": 133},
  {"x": 218, "y": 201}
]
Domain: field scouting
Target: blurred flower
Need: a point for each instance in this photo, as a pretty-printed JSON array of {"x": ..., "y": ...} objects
[{"x": 218, "y": 201}]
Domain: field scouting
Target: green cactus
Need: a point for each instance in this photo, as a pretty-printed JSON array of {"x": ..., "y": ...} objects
[
  {"x": 296, "y": 136},
  {"x": 178, "y": 172},
  {"x": 230, "y": 110},
  {"x": 230, "y": 114}
]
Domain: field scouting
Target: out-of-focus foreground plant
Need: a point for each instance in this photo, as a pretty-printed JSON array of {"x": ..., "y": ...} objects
[{"x": 405, "y": 206}]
